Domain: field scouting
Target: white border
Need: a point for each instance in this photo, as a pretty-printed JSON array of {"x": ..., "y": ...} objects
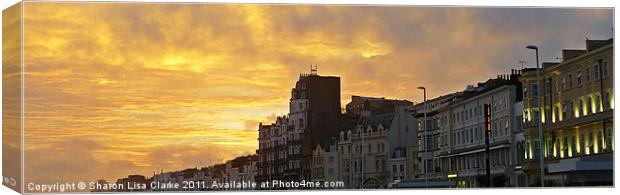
[{"x": 528, "y": 3}]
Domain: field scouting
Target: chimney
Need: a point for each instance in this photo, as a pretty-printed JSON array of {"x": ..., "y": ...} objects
[
  {"x": 568, "y": 54},
  {"x": 595, "y": 44}
]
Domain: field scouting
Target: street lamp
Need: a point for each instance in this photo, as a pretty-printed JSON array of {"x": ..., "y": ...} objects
[
  {"x": 540, "y": 109},
  {"x": 425, "y": 140}
]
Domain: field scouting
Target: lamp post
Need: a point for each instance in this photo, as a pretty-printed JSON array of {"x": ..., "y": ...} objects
[
  {"x": 425, "y": 140},
  {"x": 540, "y": 109}
]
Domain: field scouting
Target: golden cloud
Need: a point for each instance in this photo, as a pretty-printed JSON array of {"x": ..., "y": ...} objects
[{"x": 138, "y": 83}]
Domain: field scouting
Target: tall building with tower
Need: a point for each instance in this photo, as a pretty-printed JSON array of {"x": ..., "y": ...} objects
[{"x": 314, "y": 118}]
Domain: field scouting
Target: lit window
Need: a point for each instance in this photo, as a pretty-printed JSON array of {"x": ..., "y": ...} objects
[
  {"x": 555, "y": 114},
  {"x": 578, "y": 108},
  {"x": 579, "y": 77}
]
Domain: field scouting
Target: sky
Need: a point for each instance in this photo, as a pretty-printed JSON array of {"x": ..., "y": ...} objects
[{"x": 114, "y": 89}]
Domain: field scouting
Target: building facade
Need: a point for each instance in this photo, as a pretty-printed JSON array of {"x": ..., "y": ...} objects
[
  {"x": 286, "y": 146},
  {"x": 383, "y": 131},
  {"x": 577, "y": 118},
  {"x": 463, "y": 134}
]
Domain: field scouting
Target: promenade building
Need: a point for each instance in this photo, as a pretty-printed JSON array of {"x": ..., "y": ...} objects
[
  {"x": 279, "y": 143},
  {"x": 378, "y": 141},
  {"x": 325, "y": 163},
  {"x": 577, "y": 118},
  {"x": 453, "y": 148},
  {"x": 314, "y": 118},
  {"x": 419, "y": 155},
  {"x": 462, "y": 134}
]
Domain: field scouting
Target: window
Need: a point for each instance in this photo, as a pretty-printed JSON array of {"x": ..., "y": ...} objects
[
  {"x": 578, "y": 108},
  {"x": 578, "y": 77},
  {"x": 571, "y": 149},
  {"x": 563, "y": 83},
  {"x": 548, "y": 146},
  {"x": 570, "y": 107},
  {"x": 564, "y": 147},
  {"x": 525, "y": 91},
  {"x": 534, "y": 90},
  {"x": 536, "y": 149},
  {"x": 609, "y": 139},
  {"x": 590, "y": 143},
  {"x": 608, "y": 102},
  {"x": 596, "y": 72},
  {"x": 564, "y": 108},
  {"x": 582, "y": 143},
  {"x": 527, "y": 150},
  {"x": 466, "y": 114},
  {"x": 600, "y": 140},
  {"x": 570, "y": 80},
  {"x": 506, "y": 126},
  {"x": 605, "y": 69},
  {"x": 587, "y": 72},
  {"x": 597, "y": 103},
  {"x": 402, "y": 168},
  {"x": 555, "y": 85},
  {"x": 394, "y": 168}
]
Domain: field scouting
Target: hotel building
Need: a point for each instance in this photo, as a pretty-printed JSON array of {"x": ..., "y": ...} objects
[
  {"x": 286, "y": 147},
  {"x": 577, "y": 118}
]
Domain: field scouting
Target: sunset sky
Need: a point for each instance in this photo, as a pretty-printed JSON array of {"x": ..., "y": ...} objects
[{"x": 114, "y": 89}]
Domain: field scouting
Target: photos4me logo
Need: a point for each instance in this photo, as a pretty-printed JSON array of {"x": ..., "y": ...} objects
[{"x": 10, "y": 181}]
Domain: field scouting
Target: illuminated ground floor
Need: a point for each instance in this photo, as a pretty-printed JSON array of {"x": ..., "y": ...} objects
[{"x": 578, "y": 155}]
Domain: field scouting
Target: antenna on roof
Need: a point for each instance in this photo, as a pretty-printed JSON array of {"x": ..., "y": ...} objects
[
  {"x": 522, "y": 63},
  {"x": 313, "y": 69}
]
